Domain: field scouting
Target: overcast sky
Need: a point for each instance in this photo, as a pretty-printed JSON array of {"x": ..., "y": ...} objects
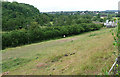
[{"x": 72, "y": 5}]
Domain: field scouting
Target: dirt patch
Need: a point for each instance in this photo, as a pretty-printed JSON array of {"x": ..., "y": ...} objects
[
  {"x": 58, "y": 58},
  {"x": 5, "y": 73},
  {"x": 34, "y": 69},
  {"x": 39, "y": 65}
]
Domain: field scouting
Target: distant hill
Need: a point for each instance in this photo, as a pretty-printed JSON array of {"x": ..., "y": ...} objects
[{"x": 16, "y": 14}]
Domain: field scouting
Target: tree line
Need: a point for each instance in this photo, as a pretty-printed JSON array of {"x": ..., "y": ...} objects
[
  {"x": 37, "y": 34},
  {"x": 24, "y": 24},
  {"x": 15, "y": 15}
]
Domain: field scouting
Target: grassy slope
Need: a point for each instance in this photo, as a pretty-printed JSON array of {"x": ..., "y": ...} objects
[{"x": 88, "y": 53}]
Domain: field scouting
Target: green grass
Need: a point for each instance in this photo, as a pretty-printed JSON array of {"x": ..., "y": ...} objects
[
  {"x": 87, "y": 53},
  {"x": 13, "y": 63}
]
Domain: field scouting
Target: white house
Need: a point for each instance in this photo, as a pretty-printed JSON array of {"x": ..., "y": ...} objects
[{"x": 110, "y": 24}]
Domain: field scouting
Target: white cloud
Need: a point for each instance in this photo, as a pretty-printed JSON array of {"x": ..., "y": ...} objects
[{"x": 67, "y": 5}]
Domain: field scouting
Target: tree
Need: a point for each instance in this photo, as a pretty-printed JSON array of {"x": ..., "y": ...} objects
[{"x": 16, "y": 14}]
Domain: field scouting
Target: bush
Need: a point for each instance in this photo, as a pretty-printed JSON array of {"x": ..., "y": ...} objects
[{"x": 22, "y": 37}]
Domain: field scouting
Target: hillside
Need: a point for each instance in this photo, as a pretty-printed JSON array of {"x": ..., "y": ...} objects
[
  {"x": 16, "y": 14},
  {"x": 24, "y": 24},
  {"x": 89, "y": 53}
]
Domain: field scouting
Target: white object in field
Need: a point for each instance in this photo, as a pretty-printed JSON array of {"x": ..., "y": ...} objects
[
  {"x": 113, "y": 66},
  {"x": 64, "y": 36},
  {"x": 107, "y": 21},
  {"x": 110, "y": 23}
]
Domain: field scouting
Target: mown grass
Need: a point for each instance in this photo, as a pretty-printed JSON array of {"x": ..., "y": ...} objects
[{"x": 84, "y": 54}]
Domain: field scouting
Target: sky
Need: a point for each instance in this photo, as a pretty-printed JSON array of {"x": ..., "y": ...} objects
[{"x": 72, "y": 5}]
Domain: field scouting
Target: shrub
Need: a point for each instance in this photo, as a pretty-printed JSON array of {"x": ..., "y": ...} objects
[{"x": 22, "y": 37}]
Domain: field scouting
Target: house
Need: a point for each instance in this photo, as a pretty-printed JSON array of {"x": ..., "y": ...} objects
[{"x": 110, "y": 24}]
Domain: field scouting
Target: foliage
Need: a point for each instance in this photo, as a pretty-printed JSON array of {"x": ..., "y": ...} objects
[
  {"x": 26, "y": 24},
  {"x": 22, "y": 37},
  {"x": 17, "y": 14},
  {"x": 116, "y": 43}
]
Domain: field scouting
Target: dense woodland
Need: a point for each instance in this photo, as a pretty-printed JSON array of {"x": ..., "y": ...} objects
[
  {"x": 24, "y": 15},
  {"x": 24, "y": 24}
]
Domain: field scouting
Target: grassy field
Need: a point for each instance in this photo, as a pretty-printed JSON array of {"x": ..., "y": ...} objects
[{"x": 85, "y": 54}]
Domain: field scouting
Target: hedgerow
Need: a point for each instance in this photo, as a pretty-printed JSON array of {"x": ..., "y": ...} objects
[{"x": 23, "y": 36}]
